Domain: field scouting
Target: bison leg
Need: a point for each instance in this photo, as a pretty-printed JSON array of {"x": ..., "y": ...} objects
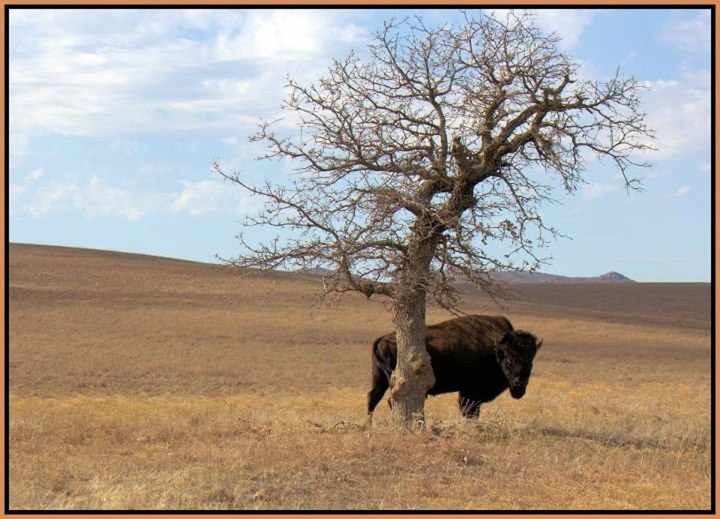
[
  {"x": 469, "y": 407},
  {"x": 379, "y": 386}
]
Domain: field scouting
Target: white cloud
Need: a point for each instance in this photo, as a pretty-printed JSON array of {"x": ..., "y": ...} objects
[
  {"x": 93, "y": 198},
  {"x": 47, "y": 198},
  {"x": 285, "y": 35},
  {"x": 37, "y": 197},
  {"x": 18, "y": 189},
  {"x": 134, "y": 72},
  {"x": 679, "y": 112},
  {"x": 28, "y": 200},
  {"x": 690, "y": 34},
  {"x": 568, "y": 24},
  {"x": 681, "y": 192},
  {"x": 596, "y": 190},
  {"x": 652, "y": 174},
  {"x": 99, "y": 199},
  {"x": 209, "y": 196},
  {"x": 35, "y": 174}
]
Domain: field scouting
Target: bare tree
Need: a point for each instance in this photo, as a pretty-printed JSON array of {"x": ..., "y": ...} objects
[{"x": 417, "y": 158}]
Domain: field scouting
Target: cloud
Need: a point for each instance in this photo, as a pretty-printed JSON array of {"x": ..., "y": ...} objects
[
  {"x": 679, "y": 112},
  {"x": 35, "y": 175},
  {"x": 95, "y": 198},
  {"x": 209, "y": 196},
  {"x": 690, "y": 34},
  {"x": 681, "y": 192},
  {"x": 134, "y": 72},
  {"x": 595, "y": 190},
  {"x": 47, "y": 198},
  {"x": 568, "y": 24},
  {"x": 99, "y": 199},
  {"x": 28, "y": 200},
  {"x": 18, "y": 189},
  {"x": 283, "y": 35},
  {"x": 651, "y": 174}
]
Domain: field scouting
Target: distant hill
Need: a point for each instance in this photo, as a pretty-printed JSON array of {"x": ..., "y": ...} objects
[
  {"x": 525, "y": 277},
  {"x": 505, "y": 277},
  {"x": 73, "y": 280},
  {"x": 541, "y": 277}
]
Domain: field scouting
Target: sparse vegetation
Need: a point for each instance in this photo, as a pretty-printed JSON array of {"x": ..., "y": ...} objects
[{"x": 142, "y": 383}]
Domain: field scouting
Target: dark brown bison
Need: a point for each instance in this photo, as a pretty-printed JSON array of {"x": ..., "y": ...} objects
[{"x": 478, "y": 355}]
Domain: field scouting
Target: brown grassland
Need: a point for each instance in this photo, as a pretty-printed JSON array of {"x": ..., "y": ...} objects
[{"x": 148, "y": 383}]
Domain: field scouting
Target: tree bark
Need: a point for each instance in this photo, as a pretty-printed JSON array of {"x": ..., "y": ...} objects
[{"x": 413, "y": 375}]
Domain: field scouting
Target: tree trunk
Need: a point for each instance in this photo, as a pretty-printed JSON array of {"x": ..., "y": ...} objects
[{"x": 413, "y": 375}]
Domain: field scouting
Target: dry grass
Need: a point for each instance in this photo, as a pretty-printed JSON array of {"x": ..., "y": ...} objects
[{"x": 139, "y": 383}]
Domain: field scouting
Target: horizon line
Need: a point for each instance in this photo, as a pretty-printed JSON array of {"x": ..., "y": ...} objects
[{"x": 210, "y": 263}]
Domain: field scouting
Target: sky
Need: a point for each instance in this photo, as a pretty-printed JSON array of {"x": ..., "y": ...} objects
[{"x": 116, "y": 117}]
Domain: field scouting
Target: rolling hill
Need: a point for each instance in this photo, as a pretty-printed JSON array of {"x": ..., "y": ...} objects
[{"x": 139, "y": 382}]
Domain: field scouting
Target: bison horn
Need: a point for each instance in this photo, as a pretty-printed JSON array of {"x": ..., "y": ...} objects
[{"x": 539, "y": 343}]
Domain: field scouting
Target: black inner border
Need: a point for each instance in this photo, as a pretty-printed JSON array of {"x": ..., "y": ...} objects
[{"x": 6, "y": 400}]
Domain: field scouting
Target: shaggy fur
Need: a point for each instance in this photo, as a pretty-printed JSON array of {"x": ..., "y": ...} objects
[{"x": 479, "y": 356}]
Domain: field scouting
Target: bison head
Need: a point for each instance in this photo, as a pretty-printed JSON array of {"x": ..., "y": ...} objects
[{"x": 515, "y": 354}]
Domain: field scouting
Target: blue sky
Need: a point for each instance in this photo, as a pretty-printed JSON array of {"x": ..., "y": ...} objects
[{"x": 117, "y": 115}]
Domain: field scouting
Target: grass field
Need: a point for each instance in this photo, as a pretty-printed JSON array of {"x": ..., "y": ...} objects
[{"x": 147, "y": 383}]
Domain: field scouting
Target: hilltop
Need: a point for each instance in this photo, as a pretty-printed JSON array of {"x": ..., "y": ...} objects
[
  {"x": 523, "y": 277},
  {"x": 541, "y": 277}
]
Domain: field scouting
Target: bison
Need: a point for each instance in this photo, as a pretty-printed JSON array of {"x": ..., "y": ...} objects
[{"x": 480, "y": 356}]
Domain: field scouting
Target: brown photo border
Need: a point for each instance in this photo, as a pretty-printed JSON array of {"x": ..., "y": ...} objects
[{"x": 4, "y": 217}]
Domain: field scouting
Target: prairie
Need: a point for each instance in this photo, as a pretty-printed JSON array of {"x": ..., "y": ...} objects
[{"x": 139, "y": 382}]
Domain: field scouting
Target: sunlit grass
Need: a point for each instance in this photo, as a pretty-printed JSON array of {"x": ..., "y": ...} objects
[{"x": 287, "y": 452}]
